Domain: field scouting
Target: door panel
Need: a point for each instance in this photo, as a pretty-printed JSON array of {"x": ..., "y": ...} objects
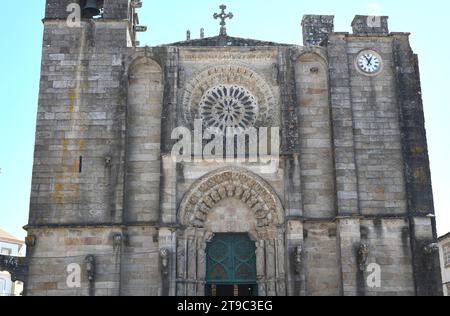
[{"x": 231, "y": 265}]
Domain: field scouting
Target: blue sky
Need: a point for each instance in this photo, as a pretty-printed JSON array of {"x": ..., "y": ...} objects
[{"x": 21, "y": 36}]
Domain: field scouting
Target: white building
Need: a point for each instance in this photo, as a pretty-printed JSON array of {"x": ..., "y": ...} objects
[
  {"x": 10, "y": 246},
  {"x": 444, "y": 250}
]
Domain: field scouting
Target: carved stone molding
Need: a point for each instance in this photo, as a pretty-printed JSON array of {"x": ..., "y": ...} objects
[
  {"x": 235, "y": 75},
  {"x": 231, "y": 183},
  {"x": 431, "y": 249},
  {"x": 230, "y": 54}
]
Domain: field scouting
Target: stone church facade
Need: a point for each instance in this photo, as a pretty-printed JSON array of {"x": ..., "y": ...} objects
[{"x": 347, "y": 210}]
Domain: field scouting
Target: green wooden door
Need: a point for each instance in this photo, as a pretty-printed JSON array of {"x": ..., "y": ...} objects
[{"x": 231, "y": 260}]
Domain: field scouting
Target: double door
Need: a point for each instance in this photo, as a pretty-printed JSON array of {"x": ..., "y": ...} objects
[{"x": 231, "y": 266}]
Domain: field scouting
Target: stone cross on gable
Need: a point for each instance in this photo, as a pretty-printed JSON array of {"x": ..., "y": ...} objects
[{"x": 223, "y": 16}]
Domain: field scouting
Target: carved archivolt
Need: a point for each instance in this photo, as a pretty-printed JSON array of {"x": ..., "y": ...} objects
[
  {"x": 234, "y": 75},
  {"x": 231, "y": 183}
]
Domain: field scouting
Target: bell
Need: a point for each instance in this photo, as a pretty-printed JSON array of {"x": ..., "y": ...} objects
[{"x": 90, "y": 9}]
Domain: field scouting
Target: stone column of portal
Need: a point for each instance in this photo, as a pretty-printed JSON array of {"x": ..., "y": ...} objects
[
  {"x": 280, "y": 252},
  {"x": 181, "y": 265},
  {"x": 261, "y": 268},
  {"x": 270, "y": 267},
  {"x": 201, "y": 267},
  {"x": 191, "y": 265}
]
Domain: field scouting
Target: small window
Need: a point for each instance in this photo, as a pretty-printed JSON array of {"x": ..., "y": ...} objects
[
  {"x": 6, "y": 251},
  {"x": 447, "y": 255}
]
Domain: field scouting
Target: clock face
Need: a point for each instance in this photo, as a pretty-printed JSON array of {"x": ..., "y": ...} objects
[{"x": 369, "y": 62}]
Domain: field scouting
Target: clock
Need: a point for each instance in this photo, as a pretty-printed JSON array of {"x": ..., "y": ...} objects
[{"x": 369, "y": 62}]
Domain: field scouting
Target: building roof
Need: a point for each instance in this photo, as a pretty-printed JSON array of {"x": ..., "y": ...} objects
[
  {"x": 225, "y": 41},
  {"x": 446, "y": 236},
  {"x": 7, "y": 237}
]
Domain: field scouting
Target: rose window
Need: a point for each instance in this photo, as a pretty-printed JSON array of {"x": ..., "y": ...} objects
[{"x": 228, "y": 106}]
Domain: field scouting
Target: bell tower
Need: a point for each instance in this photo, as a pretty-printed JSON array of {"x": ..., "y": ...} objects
[
  {"x": 101, "y": 11},
  {"x": 80, "y": 104},
  {"x": 80, "y": 135}
]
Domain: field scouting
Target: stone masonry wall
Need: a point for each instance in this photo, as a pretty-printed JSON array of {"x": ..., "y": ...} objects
[
  {"x": 377, "y": 132},
  {"x": 57, "y": 249},
  {"x": 143, "y": 170},
  {"x": 79, "y": 125},
  {"x": 353, "y": 167},
  {"x": 316, "y": 152}
]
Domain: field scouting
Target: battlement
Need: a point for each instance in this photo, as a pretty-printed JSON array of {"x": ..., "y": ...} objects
[
  {"x": 369, "y": 25},
  {"x": 316, "y": 28}
]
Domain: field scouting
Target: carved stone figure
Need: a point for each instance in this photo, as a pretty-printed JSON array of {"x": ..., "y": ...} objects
[
  {"x": 164, "y": 255},
  {"x": 90, "y": 268},
  {"x": 363, "y": 254},
  {"x": 431, "y": 249},
  {"x": 117, "y": 240},
  {"x": 108, "y": 161},
  {"x": 298, "y": 252}
]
